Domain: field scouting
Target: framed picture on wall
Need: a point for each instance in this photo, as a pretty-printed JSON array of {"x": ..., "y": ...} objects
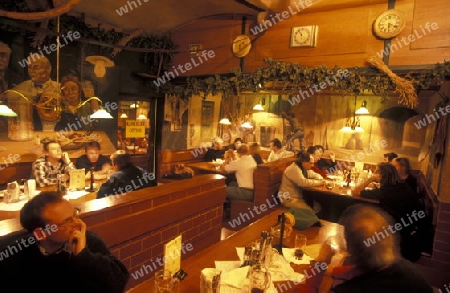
[{"x": 207, "y": 120}]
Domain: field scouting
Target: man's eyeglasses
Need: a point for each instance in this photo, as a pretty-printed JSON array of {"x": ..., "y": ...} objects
[{"x": 69, "y": 221}]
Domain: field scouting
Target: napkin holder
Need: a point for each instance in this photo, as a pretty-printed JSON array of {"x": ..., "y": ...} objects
[
  {"x": 12, "y": 192},
  {"x": 77, "y": 179}
]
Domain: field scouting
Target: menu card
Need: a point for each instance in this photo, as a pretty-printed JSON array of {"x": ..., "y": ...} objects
[
  {"x": 76, "y": 179},
  {"x": 172, "y": 255}
]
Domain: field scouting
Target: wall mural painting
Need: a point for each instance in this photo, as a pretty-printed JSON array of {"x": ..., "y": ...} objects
[{"x": 46, "y": 109}]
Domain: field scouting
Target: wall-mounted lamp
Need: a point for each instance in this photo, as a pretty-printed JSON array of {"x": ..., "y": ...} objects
[
  {"x": 225, "y": 121},
  {"x": 260, "y": 107},
  {"x": 100, "y": 63},
  {"x": 363, "y": 110},
  {"x": 353, "y": 124},
  {"x": 6, "y": 111},
  {"x": 101, "y": 114}
]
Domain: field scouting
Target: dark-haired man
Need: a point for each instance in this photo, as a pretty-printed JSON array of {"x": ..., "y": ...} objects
[
  {"x": 388, "y": 157},
  {"x": 46, "y": 169},
  {"x": 60, "y": 255},
  {"x": 127, "y": 177},
  {"x": 277, "y": 152},
  {"x": 93, "y": 159}
]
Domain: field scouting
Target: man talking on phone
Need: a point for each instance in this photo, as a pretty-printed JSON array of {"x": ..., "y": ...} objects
[{"x": 60, "y": 255}]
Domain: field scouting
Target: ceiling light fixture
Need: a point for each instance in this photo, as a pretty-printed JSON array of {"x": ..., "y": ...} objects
[
  {"x": 225, "y": 121},
  {"x": 141, "y": 117}
]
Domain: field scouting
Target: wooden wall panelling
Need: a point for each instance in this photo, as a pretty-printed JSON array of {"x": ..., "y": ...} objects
[
  {"x": 344, "y": 39},
  {"x": 428, "y": 47},
  {"x": 213, "y": 34}
]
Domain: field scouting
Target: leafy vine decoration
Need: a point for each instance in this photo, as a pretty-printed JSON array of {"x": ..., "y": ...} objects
[{"x": 289, "y": 78}]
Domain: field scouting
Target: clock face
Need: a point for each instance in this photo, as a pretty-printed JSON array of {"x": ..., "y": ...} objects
[
  {"x": 389, "y": 24},
  {"x": 304, "y": 36}
]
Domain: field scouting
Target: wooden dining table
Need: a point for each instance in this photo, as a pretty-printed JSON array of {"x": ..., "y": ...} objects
[
  {"x": 206, "y": 168},
  {"x": 10, "y": 214},
  {"x": 225, "y": 250},
  {"x": 333, "y": 199}
]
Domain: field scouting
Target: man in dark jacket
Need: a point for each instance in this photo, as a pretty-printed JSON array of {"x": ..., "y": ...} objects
[
  {"x": 60, "y": 255},
  {"x": 127, "y": 177}
]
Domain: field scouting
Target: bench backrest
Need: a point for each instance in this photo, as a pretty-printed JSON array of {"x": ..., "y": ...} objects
[
  {"x": 267, "y": 179},
  {"x": 168, "y": 158}
]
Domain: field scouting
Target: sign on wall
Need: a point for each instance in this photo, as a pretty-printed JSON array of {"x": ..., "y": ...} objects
[{"x": 135, "y": 129}]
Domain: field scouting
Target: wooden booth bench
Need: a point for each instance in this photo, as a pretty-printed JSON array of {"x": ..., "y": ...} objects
[
  {"x": 135, "y": 226},
  {"x": 167, "y": 159},
  {"x": 266, "y": 180}
]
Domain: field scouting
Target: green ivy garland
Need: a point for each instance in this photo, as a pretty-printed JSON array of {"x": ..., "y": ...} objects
[{"x": 289, "y": 78}]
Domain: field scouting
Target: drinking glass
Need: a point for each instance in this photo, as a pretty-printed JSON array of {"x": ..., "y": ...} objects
[
  {"x": 165, "y": 283},
  {"x": 210, "y": 280},
  {"x": 260, "y": 279},
  {"x": 299, "y": 245}
]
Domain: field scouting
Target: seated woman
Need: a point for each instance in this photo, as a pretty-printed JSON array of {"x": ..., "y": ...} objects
[
  {"x": 296, "y": 176},
  {"x": 403, "y": 168},
  {"x": 402, "y": 203},
  {"x": 255, "y": 152},
  {"x": 127, "y": 177}
]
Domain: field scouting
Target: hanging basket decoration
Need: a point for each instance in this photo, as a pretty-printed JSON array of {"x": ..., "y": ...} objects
[{"x": 405, "y": 88}]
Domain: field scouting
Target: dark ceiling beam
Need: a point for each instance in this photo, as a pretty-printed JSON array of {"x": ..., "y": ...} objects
[{"x": 245, "y": 3}]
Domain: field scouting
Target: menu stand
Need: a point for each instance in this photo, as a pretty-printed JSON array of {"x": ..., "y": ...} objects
[{"x": 279, "y": 246}]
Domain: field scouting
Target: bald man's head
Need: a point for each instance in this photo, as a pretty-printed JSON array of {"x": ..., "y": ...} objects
[
  {"x": 39, "y": 68},
  {"x": 369, "y": 240}
]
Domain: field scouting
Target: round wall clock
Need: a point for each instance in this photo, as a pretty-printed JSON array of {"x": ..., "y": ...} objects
[{"x": 389, "y": 24}]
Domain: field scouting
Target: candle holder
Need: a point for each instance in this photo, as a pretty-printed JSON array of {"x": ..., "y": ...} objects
[
  {"x": 91, "y": 188},
  {"x": 279, "y": 228}
]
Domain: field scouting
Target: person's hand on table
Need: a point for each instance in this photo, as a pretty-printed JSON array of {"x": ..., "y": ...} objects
[{"x": 326, "y": 253}]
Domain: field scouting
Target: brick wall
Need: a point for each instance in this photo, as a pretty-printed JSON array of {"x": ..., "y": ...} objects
[{"x": 137, "y": 225}]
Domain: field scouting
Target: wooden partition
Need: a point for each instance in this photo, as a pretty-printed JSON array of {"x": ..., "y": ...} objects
[
  {"x": 266, "y": 179},
  {"x": 168, "y": 158},
  {"x": 136, "y": 226}
]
